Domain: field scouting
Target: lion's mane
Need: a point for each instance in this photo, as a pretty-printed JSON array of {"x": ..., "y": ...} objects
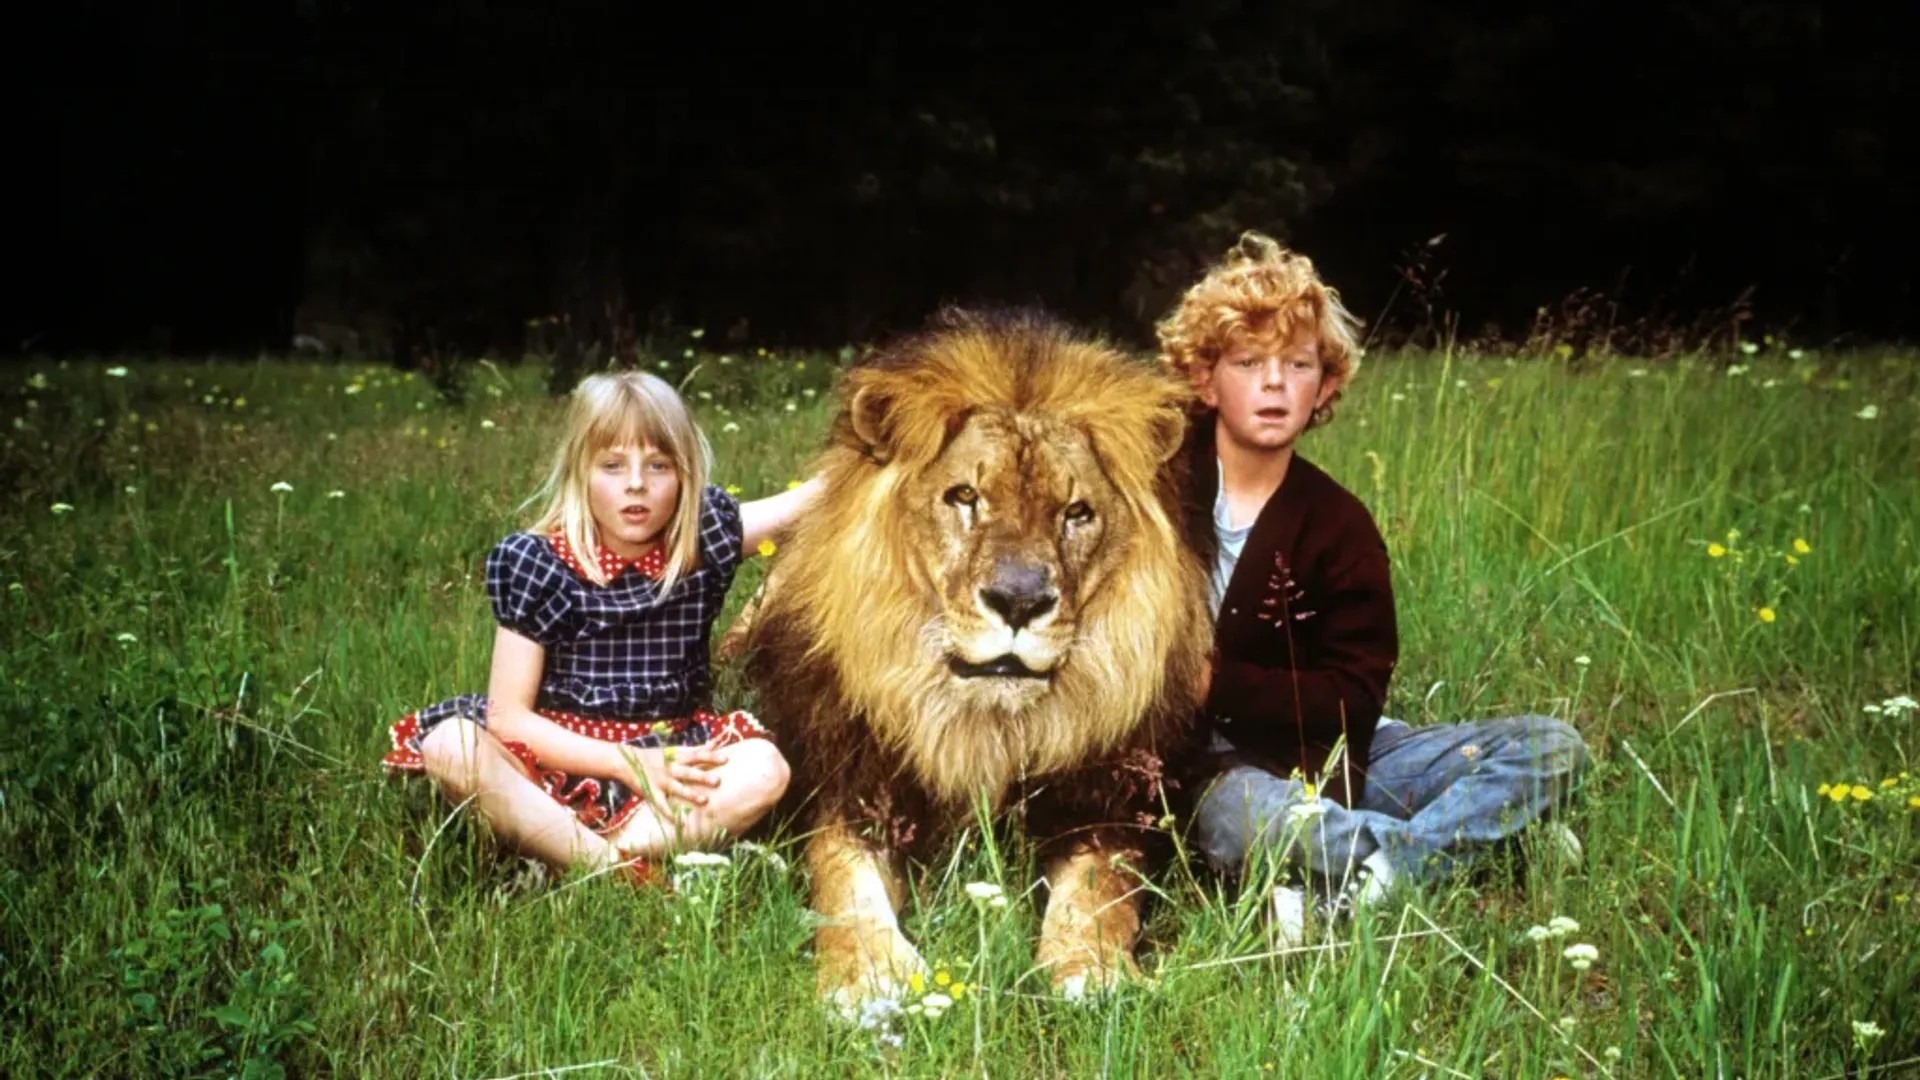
[{"x": 839, "y": 652}]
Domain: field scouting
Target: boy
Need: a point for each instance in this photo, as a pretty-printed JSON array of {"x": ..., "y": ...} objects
[{"x": 1297, "y": 761}]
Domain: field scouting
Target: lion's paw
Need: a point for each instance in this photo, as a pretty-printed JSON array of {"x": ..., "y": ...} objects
[
  {"x": 1087, "y": 983},
  {"x": 852, "y": 987}
]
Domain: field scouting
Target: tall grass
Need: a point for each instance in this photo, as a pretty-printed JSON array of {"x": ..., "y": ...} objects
[{"x": 205, "y": 872}]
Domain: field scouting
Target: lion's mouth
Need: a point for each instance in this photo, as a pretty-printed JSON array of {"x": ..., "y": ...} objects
[{"x": 1000, "y": 667}]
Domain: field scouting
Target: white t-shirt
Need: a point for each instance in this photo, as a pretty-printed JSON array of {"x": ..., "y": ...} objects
[{"x": 1232, "y": 540}]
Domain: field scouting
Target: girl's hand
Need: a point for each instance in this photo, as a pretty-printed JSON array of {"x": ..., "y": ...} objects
[{"x": 672, "y": 772}]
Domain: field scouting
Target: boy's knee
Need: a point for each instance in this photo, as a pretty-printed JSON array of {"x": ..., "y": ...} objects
[{"x": 1554, "y": 746}]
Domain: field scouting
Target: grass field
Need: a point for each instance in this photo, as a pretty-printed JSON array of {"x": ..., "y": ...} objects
[{"x": 223, "y": 580}]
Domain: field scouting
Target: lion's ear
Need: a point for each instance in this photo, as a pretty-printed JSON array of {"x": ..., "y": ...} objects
[
  {"x": 1167, "y": 430},
  {"x": 867, "y": 409}
]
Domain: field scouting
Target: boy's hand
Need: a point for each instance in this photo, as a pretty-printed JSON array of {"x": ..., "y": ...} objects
[{"x": 672, "y": 772}]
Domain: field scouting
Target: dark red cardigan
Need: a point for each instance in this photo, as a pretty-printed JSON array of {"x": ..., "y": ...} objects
[{"x": 1306, "y": 639}]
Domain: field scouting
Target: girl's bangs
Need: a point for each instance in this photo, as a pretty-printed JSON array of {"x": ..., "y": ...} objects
[{"x": 630, "y": 420}]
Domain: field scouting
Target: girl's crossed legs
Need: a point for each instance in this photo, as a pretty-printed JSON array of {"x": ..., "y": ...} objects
[{"x": 469, "y": 762}]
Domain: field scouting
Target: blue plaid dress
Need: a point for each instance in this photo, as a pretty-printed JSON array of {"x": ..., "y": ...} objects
[{"x": 622, "y": 662}]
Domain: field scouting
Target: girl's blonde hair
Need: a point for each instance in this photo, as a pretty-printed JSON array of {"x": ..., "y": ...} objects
[
  {"x": 1260, "y": 294},
  {"x": 634, "y": 409}
]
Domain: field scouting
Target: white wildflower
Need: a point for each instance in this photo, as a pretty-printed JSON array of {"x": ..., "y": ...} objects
[
  {"x": 336, "y": 494},
  {"x": 1583, "y": 661},
  {"x": 1900, "y": 705},
  {"x": 282, "y": 487},
  {"x": 117, "y": 372},
  {"x": 985, "y": 891},
  {"x": 1581, "y": 956},
  {"x": 695, "y": 859},
  {"x": 1637, "y": 373},
  {"x": 125, "y": 638},
  {"x": 791, "y": 407},
  {"x": 1537, "y": 934},
  {"x": 772, "y": 857},
  {"x": 1868, "y": 412},
  {"x": 729, "y": 426},
  {"x": 1398, "y": 397},
  {"x": 935, "y": 1005},
  {"x": 1867, "y": 1031},
  {"x": 1749, "y": 348},
  {"x": 1561, "y": 926},
  {"x": 61, "y": 508},
  {"x": 1795, "y": 354},
  {"x": 1737, "y": 370},
  {"x": 486, "y": 425},
  {"x": 131, "y": 490}
]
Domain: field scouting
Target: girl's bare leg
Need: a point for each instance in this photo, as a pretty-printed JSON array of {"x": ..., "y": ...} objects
[
  {"x": 467, "y": 761},
  {"x": 751, "y": 782}
]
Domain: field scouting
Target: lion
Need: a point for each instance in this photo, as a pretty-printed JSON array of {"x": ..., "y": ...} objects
[{"x": 991, "y": 600}]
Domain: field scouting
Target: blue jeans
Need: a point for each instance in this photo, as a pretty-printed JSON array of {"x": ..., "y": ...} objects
[{"x": 1436, "y": 797}]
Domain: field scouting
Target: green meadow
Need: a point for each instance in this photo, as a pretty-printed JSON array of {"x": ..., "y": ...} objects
[{"x": 223, "y": 579}]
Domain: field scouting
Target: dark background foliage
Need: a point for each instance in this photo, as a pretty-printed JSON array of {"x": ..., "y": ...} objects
[{"x": 421, "y": 177}]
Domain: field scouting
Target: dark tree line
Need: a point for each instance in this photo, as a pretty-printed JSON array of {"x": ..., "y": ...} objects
[{"x": 433, "y": 175}]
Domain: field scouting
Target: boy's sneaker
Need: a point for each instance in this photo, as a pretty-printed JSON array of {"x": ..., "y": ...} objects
[
  {"x": 1289, "y": 916},
  {"x": 1374, "y": 880},
  {"x": 1565, "y": 842}
]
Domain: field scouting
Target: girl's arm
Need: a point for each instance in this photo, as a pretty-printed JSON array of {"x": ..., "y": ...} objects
[
  {"x": 511, "y": 692},
  {"x": 761, "y": 519}
]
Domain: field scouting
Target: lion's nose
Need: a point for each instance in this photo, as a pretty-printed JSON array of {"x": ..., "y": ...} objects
[{"x": 1019, "y": 592}]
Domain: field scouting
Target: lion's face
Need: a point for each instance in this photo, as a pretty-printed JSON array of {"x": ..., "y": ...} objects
[{"x": 1017, "y": 517}]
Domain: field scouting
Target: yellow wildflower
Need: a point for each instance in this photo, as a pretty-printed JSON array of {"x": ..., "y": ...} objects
[
  {"x": 1913, "y": 802},
  {"x": 733, "y": 489},
  {"x": 766, "y": 548},
  {"x": 1766, "y": 614},
  {"x": 1801, "y": 547},
  {"x": 941, "y": 978},
  {"x": 917, "y": 983},
  {"x": 1791, "y": 561},
  {"x": 1838, "y": 793},
  {"x": 1860, "y": 793},
  {"x": 958, "y": 990},
  {"x": 1822, "y": 790},
  {"x": 1888, "y": 782},
  {"x": 1716, "y": 551}
]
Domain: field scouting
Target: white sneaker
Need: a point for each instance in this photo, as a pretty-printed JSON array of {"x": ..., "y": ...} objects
[
  {"x": 1565, "y": 842},
  {"x": 1376, "y": 878},
  {"x": 1289, "y": 923}
]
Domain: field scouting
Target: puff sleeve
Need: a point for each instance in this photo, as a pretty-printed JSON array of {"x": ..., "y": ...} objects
[{"x": 526, "y": 582}]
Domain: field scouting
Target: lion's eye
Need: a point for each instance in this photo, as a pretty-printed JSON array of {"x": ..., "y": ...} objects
[
  {"x": 1079, "y": 512},
  {"x": 961, "y": 495}
]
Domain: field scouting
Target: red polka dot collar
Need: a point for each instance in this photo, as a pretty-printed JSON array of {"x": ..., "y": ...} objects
[{"x": 653, "y": 564}]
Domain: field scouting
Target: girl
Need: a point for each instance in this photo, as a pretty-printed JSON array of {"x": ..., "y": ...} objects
[{"x": 592, "y": 746}]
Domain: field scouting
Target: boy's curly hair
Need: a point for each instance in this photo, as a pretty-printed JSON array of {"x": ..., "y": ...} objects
[{"x": 1260, "y": 294}]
